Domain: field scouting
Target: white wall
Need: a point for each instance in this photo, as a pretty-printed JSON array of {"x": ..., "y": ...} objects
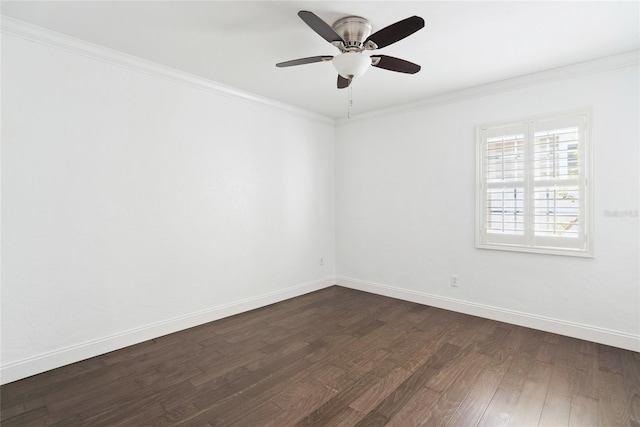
[
  {"x": 134, "y": 205},
  {"x": 406, "y": 208}
]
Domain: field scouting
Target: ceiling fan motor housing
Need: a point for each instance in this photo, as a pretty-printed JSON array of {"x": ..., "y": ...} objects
[{"x": 354, "y": 30}]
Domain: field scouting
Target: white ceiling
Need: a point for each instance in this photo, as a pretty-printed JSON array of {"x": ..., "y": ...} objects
[{"x": 238, "y": 43}]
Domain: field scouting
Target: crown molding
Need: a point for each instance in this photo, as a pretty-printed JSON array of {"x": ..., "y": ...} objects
[
  {"x": 626, "y": 59},
  {"x": 13, "y": 27},
  {"x": 16, "y": 28}
]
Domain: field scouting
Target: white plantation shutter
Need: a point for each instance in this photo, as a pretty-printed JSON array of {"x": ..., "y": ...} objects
[
  {"x": 504, "y": 184},
  {"x": 533, "y": 185}
]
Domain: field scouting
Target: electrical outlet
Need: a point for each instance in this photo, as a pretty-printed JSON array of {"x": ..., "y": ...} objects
[
  {"x": 454, "y": 280},
  {"x": 321, "y": 261}
]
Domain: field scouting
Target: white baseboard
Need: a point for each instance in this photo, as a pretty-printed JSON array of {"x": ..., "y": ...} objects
[
  {"x": 54, "y": 359},
  {"x": 547, "y": 324},
  {"x": 37, "y": 364}
]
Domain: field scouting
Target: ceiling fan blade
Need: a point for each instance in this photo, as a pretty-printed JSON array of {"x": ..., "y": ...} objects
[
  {"x": 396, "y": 32},
  {"x": 394, "y": 64},
  {"x": 342, "y": 82},
  {"x": 320, "y": 27},
  {"x": 302, "y": 61}
]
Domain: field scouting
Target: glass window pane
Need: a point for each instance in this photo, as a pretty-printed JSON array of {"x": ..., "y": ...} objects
[
  {"x": 556, "y": 211},
  {"x": 555, "y": 154},
  {"x": 505, "y": 158},
  {"x": 505, "y": 210}
]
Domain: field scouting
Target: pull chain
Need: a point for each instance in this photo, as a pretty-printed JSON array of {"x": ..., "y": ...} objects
[{"x": 350, "y": 102}]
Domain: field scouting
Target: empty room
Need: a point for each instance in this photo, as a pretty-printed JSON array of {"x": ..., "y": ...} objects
[{"x": 289, "y": 213}]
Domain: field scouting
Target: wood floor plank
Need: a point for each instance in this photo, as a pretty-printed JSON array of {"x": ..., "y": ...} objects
[
  {"x": 415, "y": 410},
  {"x": 26, "y": 417},
  {"x": 613, "y": 409},
  {"x": 587, "y": 375},
  {"x": 296, "y": 402},
  {"x": 213, "y": 370},
  {"x": 630, "y": 364},
  {"x": 609, "y": 359},
  {"x": 562, "y": 381},
  {"x": 399, "y": 397},
  {"x": 546, "y": 352},
  {"x": 140, "y": 416},
  {"x": 499, "y": 411},
  {"x": 257, "y": 417},
  {"x": 339, "y": 357},
  {"x": 248, "y": 396},
  {"x": 516, "y": 375},
  {"x": 13, "y": 393},
  {"x": 262, "y": 393},
  {"x": 556, "y": 411},
  {"x": 117, "y": 407},
  {"x": 338, "y": 406},
  {"x": 42, "y": 384},
  {"x": 12, "y": 411},
  {"x": 450, "y": 400},
  {"x": 494, "y": 342},
  {"x": 584, "y": 411},
  {"x": 482, "y": 392},
  {"x": 380, "y": 390},
  {"x": 172, "y": 416},
  {"x": 97, "y": 395},
  {"x": 445, "y": 376},
  {"x": 528, "y": 410},
  {"x": 348, "y": 418}
]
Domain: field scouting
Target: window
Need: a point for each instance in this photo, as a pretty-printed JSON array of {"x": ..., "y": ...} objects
[{"x": 534, "y": 185}]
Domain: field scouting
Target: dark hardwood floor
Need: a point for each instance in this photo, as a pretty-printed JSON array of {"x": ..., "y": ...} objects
[{"x": 339, "y": 357}]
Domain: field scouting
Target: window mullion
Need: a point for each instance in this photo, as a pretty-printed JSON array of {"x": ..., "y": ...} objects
[{"x": 529, "y": 201}]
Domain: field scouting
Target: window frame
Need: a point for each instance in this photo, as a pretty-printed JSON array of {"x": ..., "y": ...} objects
[{"x": 529, "y": 241}]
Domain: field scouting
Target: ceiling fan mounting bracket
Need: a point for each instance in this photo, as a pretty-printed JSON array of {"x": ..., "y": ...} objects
[{"x": 354, "y": 30}]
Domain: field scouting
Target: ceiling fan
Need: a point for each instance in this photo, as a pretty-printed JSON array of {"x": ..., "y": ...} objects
[{"x": 352, "y": 35}]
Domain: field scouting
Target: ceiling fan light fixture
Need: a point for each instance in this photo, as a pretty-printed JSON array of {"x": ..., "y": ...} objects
[{"x": 351, "y": 65}]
